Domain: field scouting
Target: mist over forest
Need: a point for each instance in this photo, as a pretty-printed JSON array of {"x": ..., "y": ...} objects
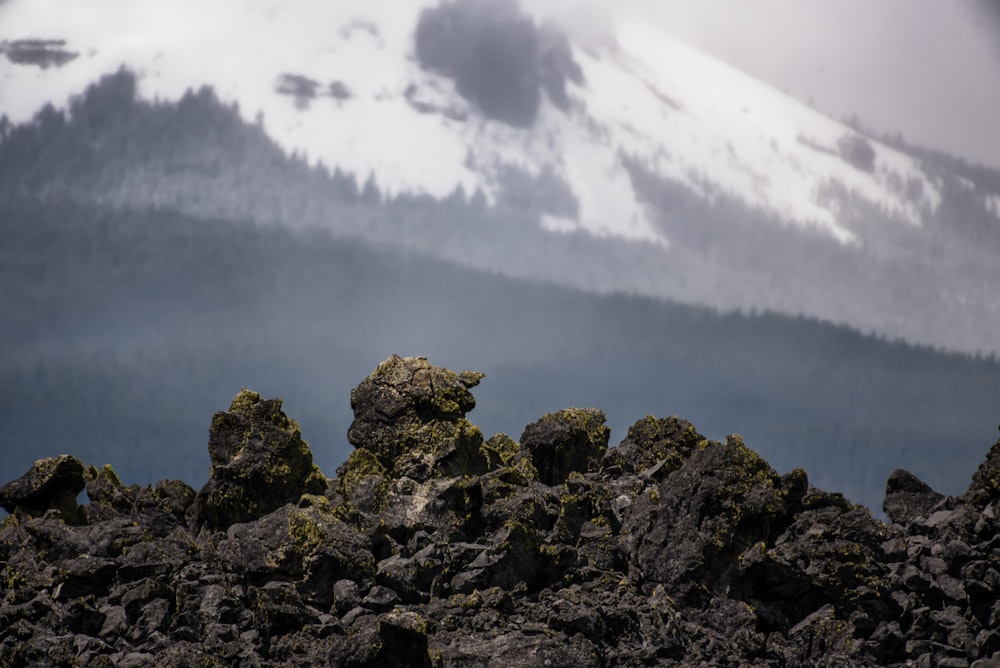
[
  {"x": 158, "y": 257},
  {"x": 127, "y": 330},
  {"x": 931, "y": 284}
]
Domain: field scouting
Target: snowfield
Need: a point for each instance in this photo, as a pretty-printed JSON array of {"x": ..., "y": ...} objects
[{"x": 646, "y": 97}]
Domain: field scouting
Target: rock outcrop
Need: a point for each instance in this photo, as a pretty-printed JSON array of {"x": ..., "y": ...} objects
[
  {"x": 51, "y": 485},
  {"x": 436, "y": 547},
  {"x": 259, "y": 463},
  {"x": 500, "y": 61}
]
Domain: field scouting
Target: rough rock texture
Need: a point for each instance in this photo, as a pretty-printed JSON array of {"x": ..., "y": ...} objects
[
  {"x": 51, "y": 484},
  {"x": 435, "y": 547},
  {"x": 259, "y": 463},
  {"x": 573, "y": 439}
]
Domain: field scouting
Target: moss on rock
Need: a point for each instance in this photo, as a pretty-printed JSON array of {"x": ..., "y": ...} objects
[
  {"x": 502, "y": 450},
  {"x": 51, "y": 484},
  {"x": 985, "y": 485},
  {"x": 654, "y": 445},
  {"x": 363, "y": 480},
  {"x": 573, "y": 439},
  {"x": 410, "y": 415},
  {"x": 259, "y": 463},
  {"x": 434, "y": 546}
]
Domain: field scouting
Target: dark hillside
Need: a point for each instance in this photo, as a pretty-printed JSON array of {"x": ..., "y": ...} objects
[
  {"x": 123, "y": 330},
  {"x": 198, "y": 156}
]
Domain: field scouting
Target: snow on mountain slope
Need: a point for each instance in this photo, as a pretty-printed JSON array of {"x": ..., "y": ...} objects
[{"x": 356, "y": 97}]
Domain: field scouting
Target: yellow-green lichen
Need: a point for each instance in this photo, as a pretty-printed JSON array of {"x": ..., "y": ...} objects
[
  {"x": 305, "y": 529},
  {"x": 244, "y": 402},
  {"x": 472, "y": 601},
  {"x": 361, "y": 466},
  {"x": 317, "y": 501}
]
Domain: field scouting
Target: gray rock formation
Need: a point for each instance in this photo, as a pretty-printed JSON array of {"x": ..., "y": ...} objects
[
  {"x": 51, "y": 484},
  {"x": 259, "y": 463}
]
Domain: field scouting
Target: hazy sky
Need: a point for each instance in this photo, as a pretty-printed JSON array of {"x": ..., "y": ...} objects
[{"x": 929, "y": 69}]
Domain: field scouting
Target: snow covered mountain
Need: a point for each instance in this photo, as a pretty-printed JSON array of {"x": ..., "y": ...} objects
[{"x": 644, "y": 136}]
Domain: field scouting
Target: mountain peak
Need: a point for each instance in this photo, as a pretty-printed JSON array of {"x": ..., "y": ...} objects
[{"x": 433, "y": 97}]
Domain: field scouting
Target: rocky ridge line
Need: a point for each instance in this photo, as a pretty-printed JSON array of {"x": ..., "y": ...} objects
[{"x": 436, "y": 547}]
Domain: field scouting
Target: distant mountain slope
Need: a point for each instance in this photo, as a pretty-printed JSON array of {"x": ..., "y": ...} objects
[
  {"x": 613, "y": 161},
  {"x": 431, "y": 96},
  {"x": 123, "y": 330},
  {"x": 935, "y": 285}
]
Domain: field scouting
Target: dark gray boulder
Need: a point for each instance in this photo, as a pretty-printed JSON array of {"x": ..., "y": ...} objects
[
  {"x": 409, "y": 420},
  {"x": 573, "y": 439},
  {"x": 259, "y": 463},
  {"x": 50, "y": 484},
  {"x": 907, "y": 497},
  {"x": 985, "y": 486}
]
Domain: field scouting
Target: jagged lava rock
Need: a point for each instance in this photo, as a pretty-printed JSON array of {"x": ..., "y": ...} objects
[
  {"x": 410, "y": 416},
  {"x": 573, "y": 439},
  {"x": 412, "y": 441},
  {"x": 907, "y": 497},
  {"x": 722, "y": 500},
  {"x": 436, "y": 547},
  {"x": 653, "y": 447},
  {"x": 51, "y": 484},
  {"x": 259, "y": 463},
  {"x": 985, "y": 486}
]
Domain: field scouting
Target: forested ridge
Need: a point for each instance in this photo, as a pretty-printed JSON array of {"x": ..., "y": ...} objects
[
  {"x": 124, "y": 329},
  {"x": 931, "y": 283}
]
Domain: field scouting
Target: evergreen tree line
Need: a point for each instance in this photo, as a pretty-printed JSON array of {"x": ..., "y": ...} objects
[
  {"x": 125, "y": 330},
  {"x": 934, "y": 284}
]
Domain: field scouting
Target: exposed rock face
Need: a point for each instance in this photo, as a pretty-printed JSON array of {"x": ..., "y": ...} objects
[
  {"x": 435, "y": 547},
  {"x": 984, "y": 492},
  {"x": 571, "y": 440},
  {"x": 51, "y": 484},
  {"x": 857, "y": 152},
  {"x": 907, "y": 497},
  {"x": 500, "y": 61},
  {"x": 259, "y": 463},
  {"x": 410, "y": 418}
]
